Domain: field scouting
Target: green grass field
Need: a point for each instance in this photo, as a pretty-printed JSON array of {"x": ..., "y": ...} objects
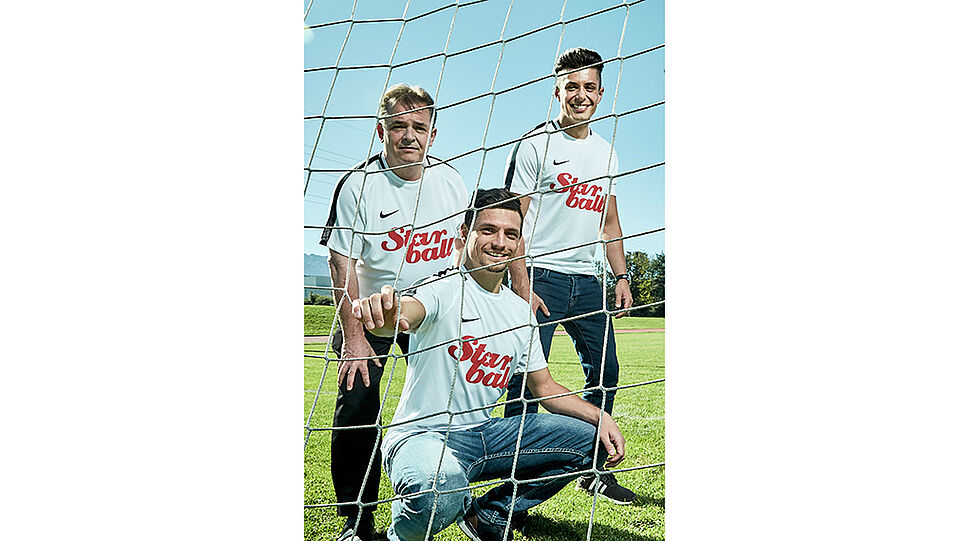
[
  {"x": 639, "y": 411},
  {"x": 317, "y": 319}
]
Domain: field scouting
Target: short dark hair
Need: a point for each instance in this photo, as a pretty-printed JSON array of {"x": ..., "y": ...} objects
[
  {"x": 492, "y": 198},
  {"x": 576, "y": 58}
]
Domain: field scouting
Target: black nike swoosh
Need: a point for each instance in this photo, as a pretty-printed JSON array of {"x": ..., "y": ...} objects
[
  {"x": 382, "y": 215},
  {"x": 554, "y": 162},
  {"x": 469, "y": 320}
]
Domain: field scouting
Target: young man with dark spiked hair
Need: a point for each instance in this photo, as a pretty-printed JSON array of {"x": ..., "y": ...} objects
[
  {"x": 468, "y": 334},
  {"x": 398, "y": 211},
  {"x": 564, "y": 170}
]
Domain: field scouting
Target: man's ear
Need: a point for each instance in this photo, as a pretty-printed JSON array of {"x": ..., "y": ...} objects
[
  {"x": 380, "y": 132},
  {"x": 463, "y": 230},
  {"x": 556, "y": 92}
]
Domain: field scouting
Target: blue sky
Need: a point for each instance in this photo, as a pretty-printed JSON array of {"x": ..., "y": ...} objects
[{"x": 639, "y": 137}]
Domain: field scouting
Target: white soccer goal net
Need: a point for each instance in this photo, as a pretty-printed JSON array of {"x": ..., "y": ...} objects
[{"x": 488, "y": 65}]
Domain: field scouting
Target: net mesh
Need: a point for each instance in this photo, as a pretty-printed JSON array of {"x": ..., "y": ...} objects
[{"x": 325, "y": 126}]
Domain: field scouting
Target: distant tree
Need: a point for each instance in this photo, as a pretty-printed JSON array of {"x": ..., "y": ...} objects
[
  {"x": 318, "y": 300},
  {"x": 647, "y": 283},
  {"x": 656, "y": 284}
]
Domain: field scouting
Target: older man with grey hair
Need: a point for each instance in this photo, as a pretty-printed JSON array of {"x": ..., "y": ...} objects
[{"x": 394, "y": 218}]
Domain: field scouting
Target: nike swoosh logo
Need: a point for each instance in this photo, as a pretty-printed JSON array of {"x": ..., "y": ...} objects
[
  {"x": 556, "y": 162},
  {"x": 382, "y": 215},
  {"x": 469, "y": 320}
]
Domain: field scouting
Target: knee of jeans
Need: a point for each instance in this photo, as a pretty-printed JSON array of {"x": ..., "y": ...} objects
[
  {"x": 414, "y": 516},
  {"x": 432, "y": 511},
  {"x": 588, "y": 435},
  {"x": 414, "y": 526}
]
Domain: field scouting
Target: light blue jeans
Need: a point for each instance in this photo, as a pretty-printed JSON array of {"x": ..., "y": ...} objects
[{"x": 433, "y": 499}]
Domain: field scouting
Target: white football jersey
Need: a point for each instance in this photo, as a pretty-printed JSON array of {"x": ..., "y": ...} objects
[
  {"x": 479, "y": 369},
  {"x": 571, "y": 214},
  {"x": 380, "y": 208}
]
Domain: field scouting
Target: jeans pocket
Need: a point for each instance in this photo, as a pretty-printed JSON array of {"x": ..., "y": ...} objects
[{"x": 539, "y": 273}]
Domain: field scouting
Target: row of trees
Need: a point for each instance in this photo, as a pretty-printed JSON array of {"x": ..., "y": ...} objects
[
  {"x": 324, "y": 300},
  {"x": 647, "y": 283}
]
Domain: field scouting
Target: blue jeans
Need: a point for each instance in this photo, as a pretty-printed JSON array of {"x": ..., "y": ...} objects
[
  {"x": 551, "y": 445},
  {"x": 565, "y": 296}
]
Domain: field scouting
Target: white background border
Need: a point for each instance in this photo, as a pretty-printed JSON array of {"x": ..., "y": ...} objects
[{"x": 817, "y": 282}]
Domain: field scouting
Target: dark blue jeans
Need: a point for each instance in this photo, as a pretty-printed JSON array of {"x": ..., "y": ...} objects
[
  {"x": 434, "y": 478},
  {"x": 566, "y": 296}
]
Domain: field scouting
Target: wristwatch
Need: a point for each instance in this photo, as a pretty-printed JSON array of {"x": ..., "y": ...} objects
[{"x": 623, "y": 276}]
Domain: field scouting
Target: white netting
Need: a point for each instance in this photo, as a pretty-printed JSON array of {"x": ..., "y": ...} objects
[{"x": 330, "y": 135}]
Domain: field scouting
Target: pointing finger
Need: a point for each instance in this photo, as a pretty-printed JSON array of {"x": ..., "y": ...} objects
[
  {"x": 387, "y": 292},
  {"x": 376, "y": 306},
  {"x": 366, "y": 313}
]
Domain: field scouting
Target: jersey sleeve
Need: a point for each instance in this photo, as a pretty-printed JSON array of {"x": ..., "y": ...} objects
[
  {"x": 346, "y": 205},
  {"x": 432, "y": 292},
  {"x": 522, "y": 168},
  {"x": 535, "y": 358}
]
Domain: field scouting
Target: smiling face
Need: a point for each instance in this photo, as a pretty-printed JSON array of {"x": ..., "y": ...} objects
[
  {"x": 491, "y": 242},
  {"x": 406, "y": 138},
  {"x": 579, "y": 93}
]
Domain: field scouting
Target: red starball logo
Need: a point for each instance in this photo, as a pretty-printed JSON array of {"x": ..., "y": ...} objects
[
  {"x": 487, "y": 368},
  {"x": 581, "y": 196},
  {"x": 420, "y": 247}
]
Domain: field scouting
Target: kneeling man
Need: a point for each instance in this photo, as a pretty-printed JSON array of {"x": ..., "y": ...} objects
[{"x": 443, "y": 436}]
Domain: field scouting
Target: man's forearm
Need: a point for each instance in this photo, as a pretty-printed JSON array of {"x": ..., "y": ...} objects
[
  {"x": 340, "y": 269},
  {"x": 612, "y": 232},
  {"x": 570, "y": 405},
  {"x": 615, "y": 253},
  {"x": 520, "y": 283},
  {"x": 616, "y": 256},
  {"x": 352, "y": 328}
]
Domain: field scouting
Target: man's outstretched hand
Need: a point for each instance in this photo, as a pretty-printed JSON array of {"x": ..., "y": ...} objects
[{"x": 379, "y": 311}]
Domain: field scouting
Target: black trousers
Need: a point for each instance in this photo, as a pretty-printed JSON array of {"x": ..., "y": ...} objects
[{"x": 350, "y": 450}]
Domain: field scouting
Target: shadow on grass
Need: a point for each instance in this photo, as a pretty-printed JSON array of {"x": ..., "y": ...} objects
[
  {"x": 539, "y": 527},
  {"x": 646, "y": 501}
]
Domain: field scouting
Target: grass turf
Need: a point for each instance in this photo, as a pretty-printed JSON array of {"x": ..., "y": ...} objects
[
  {"x": 317, "y": 320},
  {"x": 639, "y": 411}
]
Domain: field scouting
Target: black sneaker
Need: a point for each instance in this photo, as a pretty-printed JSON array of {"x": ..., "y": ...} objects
[
  {"x": 479, "y": 530},
  {"x": 607, "y": 487},
  {"x": 364, "y": 532}
]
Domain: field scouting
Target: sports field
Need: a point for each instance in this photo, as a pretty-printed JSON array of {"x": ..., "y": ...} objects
[
  {"x": 317, "y": 320},
  {"x": 639, "y": 411}
]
